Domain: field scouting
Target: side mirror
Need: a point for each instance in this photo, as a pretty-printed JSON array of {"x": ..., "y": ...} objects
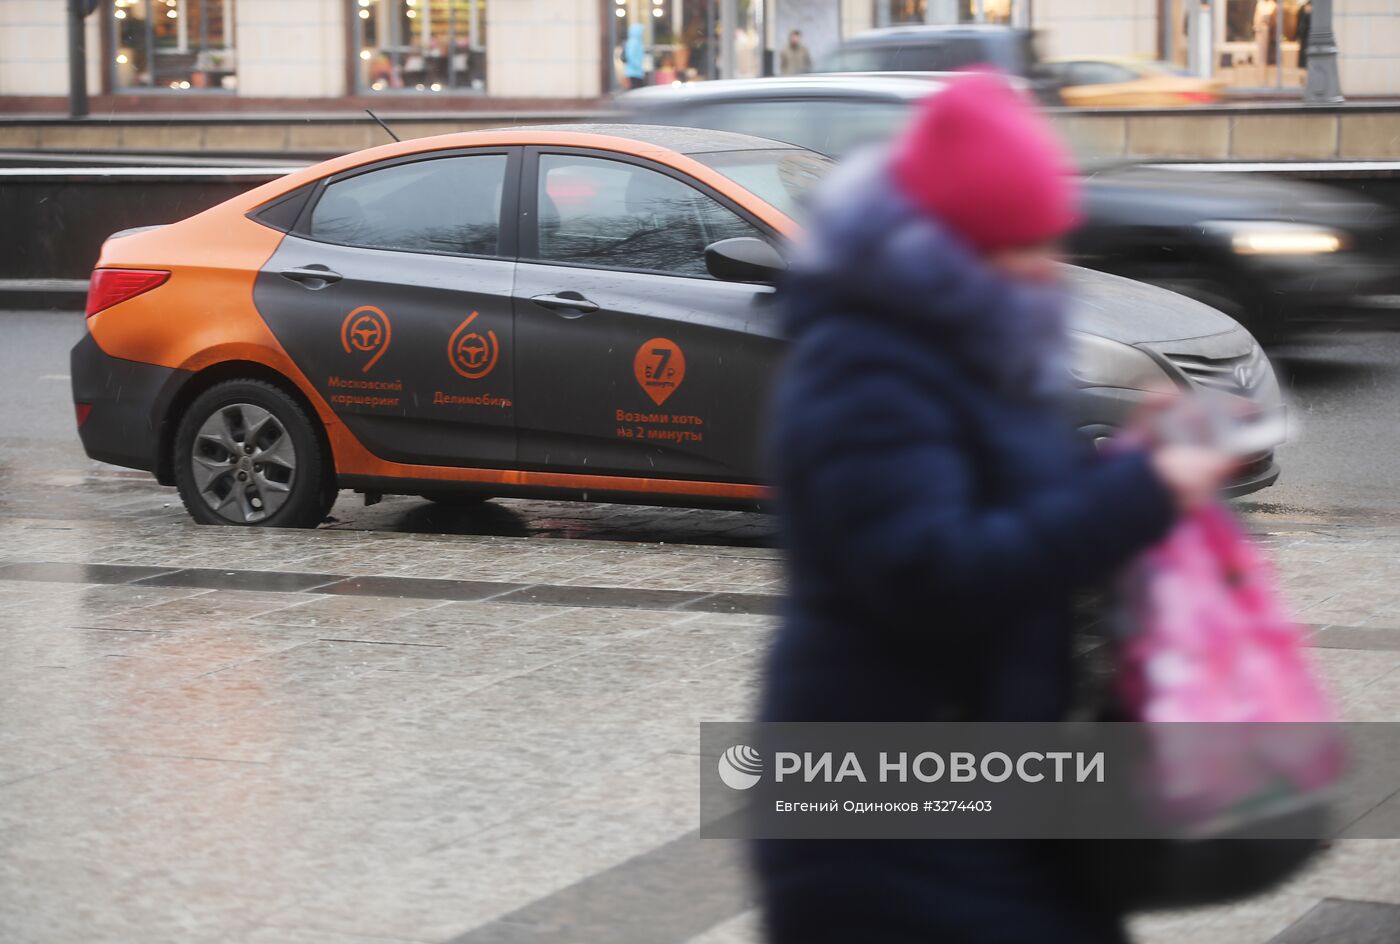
[{"x": 744, "y": 259}]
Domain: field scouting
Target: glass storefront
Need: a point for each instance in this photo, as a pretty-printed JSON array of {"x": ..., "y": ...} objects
[
  {"x": 906, "y": 12},
  {"x": 1244, "y": 43},
  {"x": 681, "y": 40},
  {"x": 420, "y": 45},
  {"x": 173, "y": 44}
]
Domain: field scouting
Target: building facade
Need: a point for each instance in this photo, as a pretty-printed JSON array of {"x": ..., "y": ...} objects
[{"x": 226, "y": 54}]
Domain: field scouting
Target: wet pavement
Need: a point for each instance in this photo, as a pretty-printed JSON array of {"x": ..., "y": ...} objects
[{"x": 421, "y": 723}]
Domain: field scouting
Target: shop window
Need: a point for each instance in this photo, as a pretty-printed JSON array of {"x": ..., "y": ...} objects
[
  {"x": 902, "y": 12},
  {"x": 684, "y": 41},
  {"x": 420, "y": 45},
  {"x": 686, "y": 47},
  {"x": 1244, "y": 43},
  {"x": 1260, "y": 45},
  {"x": 173, "y": 44}
]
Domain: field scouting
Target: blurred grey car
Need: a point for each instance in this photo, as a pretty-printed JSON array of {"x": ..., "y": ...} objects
[
  {"x": 1131, "y": 338},
  {"x": 1265, "y": 250}
]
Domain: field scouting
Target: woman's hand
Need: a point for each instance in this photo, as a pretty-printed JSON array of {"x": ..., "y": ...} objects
[{"x": 1193, "y": 474}]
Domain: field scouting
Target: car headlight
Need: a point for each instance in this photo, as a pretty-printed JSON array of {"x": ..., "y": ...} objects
[
  {"x": 1098, "y": 362},
  {"x": 1268, "y": 238}
]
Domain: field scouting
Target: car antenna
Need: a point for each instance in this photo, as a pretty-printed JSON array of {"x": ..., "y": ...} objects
[{"x": 382, "y": 125}]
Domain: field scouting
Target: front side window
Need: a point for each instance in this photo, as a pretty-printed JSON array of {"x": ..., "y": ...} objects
[
  {"x": 173, "y": 44},
  {"x": 446, "y": 204},
  {"x": 599, "y": 212}
]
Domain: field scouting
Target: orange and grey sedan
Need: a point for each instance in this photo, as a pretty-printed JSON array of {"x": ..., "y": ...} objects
[
  {"x": 582, "y": 312},
  {"x": 526, "y": 312}
]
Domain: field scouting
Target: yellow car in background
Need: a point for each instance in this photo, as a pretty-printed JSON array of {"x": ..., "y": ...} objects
[{"x": 1110, "y": 82}]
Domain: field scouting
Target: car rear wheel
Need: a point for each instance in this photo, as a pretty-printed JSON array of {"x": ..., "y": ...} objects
[{"x": 248, "y": 454}]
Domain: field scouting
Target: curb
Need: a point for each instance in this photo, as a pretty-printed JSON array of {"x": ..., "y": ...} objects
[{"x": 43, "y": 294}]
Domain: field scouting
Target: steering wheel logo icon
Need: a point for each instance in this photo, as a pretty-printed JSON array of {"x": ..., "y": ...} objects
[
  {"x": 366, "y": 330},
  {"x": 471, "y": 353}
]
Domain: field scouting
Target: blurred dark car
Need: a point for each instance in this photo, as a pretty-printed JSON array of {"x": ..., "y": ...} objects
[
  {"x": 947, "y": 49},
  {"x": 1265, "y": 250}
]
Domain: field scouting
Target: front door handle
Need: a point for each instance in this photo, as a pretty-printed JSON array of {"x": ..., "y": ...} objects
[
  {"x": 568, "y": 304},
  {"x": 313, "y": 276}
]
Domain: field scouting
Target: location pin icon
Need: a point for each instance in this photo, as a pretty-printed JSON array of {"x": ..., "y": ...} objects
[{"x": 659, "y": 367}]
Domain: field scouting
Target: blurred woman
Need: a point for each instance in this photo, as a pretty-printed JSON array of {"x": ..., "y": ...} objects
[{"x": 939, "y": 511}]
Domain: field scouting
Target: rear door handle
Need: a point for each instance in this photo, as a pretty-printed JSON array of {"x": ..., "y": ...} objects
[
  {"x": 312, "y": 276},
  {"x": 568, "y": 304}
]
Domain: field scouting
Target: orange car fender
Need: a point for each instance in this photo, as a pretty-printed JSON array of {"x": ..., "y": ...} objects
[{"x": 204, "y": 315}]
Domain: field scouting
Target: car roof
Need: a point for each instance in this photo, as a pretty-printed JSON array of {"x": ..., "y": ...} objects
[
  {"x": 680, "y": 140},
  {"x": 901, "y": 86},
  {"x": 916, "y": 31}
]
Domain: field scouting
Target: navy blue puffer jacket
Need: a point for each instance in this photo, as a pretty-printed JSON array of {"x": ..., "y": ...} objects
[{"x": 939, "y": 514}]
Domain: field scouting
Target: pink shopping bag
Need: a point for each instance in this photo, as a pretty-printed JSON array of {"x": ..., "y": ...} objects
[{"x": 1207, "y": 640}]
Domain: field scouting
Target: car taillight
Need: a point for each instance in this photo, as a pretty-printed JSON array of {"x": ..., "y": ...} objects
[
  {"x": 82, "y": 410},
  {"x": 1202, "y": 97},
  {"x": 110, "y": 286}
]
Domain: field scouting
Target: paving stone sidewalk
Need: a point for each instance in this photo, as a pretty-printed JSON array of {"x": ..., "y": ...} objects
[{"x": 212, "y": 734}]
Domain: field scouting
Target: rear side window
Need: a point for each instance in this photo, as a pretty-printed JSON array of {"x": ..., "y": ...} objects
[
  {"x": 599, "y": 212},
  {"x": 446, "y": 204}
]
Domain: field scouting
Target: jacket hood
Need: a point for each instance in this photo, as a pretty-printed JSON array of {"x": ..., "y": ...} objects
[{"x": 871, "y": 254}]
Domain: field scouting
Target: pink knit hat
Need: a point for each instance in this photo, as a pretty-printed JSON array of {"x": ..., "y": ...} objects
[{"x": 981, "y": 159}]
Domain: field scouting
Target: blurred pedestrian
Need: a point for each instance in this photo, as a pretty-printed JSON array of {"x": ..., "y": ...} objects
[
  {"x": 794, "y": 59},
  {"x": 634, "y": 57},
  {"x": 938, "y": 509},
  {"x": 665, "y": 73}
]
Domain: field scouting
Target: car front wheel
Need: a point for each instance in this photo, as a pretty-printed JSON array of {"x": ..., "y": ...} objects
[{"x": 248, "y": 454}]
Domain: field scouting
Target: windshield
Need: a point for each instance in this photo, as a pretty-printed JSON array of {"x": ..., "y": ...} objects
[{"x": 780, "y": 176}]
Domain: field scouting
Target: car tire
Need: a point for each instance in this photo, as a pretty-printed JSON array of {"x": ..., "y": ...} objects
[{"x": 246, "y": 453}]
